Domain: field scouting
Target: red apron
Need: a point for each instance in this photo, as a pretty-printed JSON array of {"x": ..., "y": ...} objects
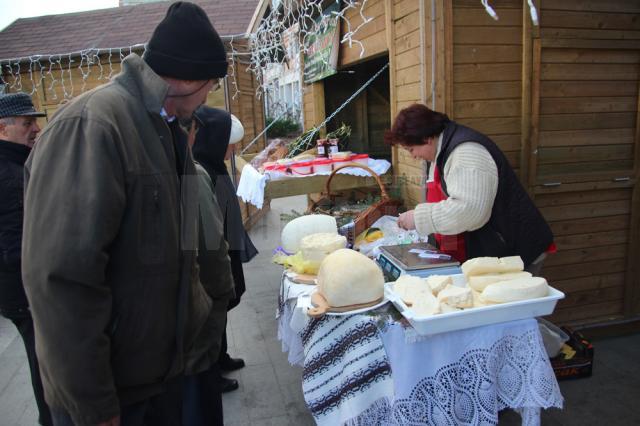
[{"x": 450, "y": 244}]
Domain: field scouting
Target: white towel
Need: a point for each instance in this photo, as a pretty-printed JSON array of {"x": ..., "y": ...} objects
[{"x": 251, "y": 186}]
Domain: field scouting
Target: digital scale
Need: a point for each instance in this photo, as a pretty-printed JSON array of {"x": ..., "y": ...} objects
[{"x": 404, "y": 259}]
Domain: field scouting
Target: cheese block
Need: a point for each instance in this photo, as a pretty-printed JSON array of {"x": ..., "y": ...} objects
[
  {"x": 479, "y": 282},
  {"x": 445, "y": 309},
  {"x": 457, "y": 297},
  {"x": 316, "y": 247},
  {"x": 426, "y": 305},
  {"x": 478, "y": 300},
  {"x": 302, "y": 226},
  {"x": 410, "y": 288},
  {"x": 347, "y": 277},
  {"x": 438, "y": 282},
  {"x": 492, "y": 265},
  {"x": 518, "y": 289}
]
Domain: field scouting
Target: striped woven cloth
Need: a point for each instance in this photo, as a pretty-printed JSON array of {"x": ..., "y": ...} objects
[{"x": 347, "y": 376}]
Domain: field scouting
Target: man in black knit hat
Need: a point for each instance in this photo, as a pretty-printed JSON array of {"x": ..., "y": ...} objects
[{"x": 110, "y": 235}]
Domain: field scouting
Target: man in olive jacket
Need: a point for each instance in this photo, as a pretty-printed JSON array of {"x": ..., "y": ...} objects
[{"x": 110, "y": 234}]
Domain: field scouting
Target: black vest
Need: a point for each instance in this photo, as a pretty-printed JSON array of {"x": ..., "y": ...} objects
[{"x": 516, "y": 226}]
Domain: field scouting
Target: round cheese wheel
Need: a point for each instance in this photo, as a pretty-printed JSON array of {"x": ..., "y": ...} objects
[
  {"x": 517, "y": 289},
  {"x": 302, "y": 226},
  {"x": 347, "y": 277}
]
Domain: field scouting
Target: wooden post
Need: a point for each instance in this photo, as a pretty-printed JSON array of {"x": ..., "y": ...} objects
[
  {"x": 525, "y": 122},
  {"x": 531, "y": 156},
  {"x": 448, "y": 58},
  {"x": 391, "y": 48},
  {"x": 632, "y": 279}
]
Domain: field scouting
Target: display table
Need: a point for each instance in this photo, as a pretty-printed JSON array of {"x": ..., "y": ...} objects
[{"x": 373, "y": 369}]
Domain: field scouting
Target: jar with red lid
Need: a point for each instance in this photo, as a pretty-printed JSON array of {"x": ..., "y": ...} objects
[
  {"x": 321, "y": 148},
  {"x": 333, "y": 146}
]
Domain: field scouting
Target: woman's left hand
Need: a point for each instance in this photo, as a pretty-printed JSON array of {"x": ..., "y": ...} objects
[{"x": 406, "y": 220}]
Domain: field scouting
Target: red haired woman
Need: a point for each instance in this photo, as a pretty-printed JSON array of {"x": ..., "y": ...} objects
[{"x": 475, "y": 205}]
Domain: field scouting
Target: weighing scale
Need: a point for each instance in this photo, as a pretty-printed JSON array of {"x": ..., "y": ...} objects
[{"x": 403, "y": 259}]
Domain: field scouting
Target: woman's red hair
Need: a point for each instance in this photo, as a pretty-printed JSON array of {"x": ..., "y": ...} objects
[{"x": 414, "y": 124}]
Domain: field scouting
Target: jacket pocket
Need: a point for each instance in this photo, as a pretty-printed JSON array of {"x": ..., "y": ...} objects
[{"x": 152, "y": 242}]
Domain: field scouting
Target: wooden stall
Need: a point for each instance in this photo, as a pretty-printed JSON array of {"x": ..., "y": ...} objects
[
  {"x": 60, "y": 77},
  {"x": 560, "y": 99}
]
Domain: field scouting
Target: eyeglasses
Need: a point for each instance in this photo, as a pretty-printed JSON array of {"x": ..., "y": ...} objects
[{"x": 216, "y": 85}]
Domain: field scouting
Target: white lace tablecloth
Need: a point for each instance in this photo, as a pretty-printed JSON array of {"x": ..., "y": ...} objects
[{"x": 461, "y": 377}]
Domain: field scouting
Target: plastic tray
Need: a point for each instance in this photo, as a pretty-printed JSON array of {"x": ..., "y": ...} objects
[{"x": 474, "y": 317}]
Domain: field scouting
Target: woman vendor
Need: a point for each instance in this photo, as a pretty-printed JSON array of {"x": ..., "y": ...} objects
[{"x": 475, "y": 205}]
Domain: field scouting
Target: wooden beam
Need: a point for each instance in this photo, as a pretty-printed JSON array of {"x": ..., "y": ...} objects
[
  {"x": 534, "y": 124},
  {"x": 632, "y": 282},
  {"x": 525, "y": 105},
  {"x": 448, "y": 58}
]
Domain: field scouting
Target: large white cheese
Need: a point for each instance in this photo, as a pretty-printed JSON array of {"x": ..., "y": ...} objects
[
  {"x": 492, "y": 265},
  {"x": 302, "y": 226},
  {"x": 479, "y": 282},
  {"x": 410, "y": 288},
  {"x": 426, "y": 305},
  {"x": 347, "y": 277},
  {"x": 518, "y": 289},
  {"x": 457, "y": 297},
  {"x": 438, "y": 282},
  {"x": 316, "y": 247}
]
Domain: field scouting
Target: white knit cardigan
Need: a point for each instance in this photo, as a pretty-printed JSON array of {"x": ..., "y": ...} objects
[{"x": 472, "y": 184}]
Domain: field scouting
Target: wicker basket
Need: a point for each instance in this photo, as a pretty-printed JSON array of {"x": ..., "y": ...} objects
[{"x": 361, "y": 219}]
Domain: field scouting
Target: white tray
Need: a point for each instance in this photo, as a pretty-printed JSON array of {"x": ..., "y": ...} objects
[{"x": 474, "y": 317}]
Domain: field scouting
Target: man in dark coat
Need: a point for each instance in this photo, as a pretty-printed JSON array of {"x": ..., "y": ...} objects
[
  {"x": 18, "y": 130},
  {"x": 219, "y": 131}
]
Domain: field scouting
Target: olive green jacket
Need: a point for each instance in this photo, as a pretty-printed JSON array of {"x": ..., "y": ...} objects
[{"x": 109, "y": 249}]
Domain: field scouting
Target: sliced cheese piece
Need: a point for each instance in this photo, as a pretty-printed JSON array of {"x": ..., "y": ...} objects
[
  {"x": 518, "y": 289},
  {"x": 438, "y": 282},
  {"x": 316, "y": 247},
  {"x": 426, "y": 305},
  {"x": 457, "y": 297},
  {"x": 410, "y": 288},
  {"x": 478, "y": 300},
  {"x": 492, "y": 265},
  {"x": 479, "y": 282},
  {"x": 445, "y": 309}
]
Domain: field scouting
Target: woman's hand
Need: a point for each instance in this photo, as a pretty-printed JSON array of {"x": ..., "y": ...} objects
[{"x": 406, "y": 220}]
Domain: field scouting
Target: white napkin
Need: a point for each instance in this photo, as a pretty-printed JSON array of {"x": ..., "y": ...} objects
[{"x": 251, "y": 186}]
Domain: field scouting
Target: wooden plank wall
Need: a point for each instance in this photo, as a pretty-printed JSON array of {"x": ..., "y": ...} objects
[
  {"x": 586, "y": 73},
  {"x": 563, "y": 98},
  {"x": 372, "y": 35},
  {"x": 487, "y": 72},
  {"x": 407, "y": 67}
]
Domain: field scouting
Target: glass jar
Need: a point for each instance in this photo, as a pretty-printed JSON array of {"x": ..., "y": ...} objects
[
  {"x": 333, "y": 146},
  {"x": 322, "y": 150}
]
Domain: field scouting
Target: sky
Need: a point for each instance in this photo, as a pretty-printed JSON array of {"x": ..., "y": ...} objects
[{"x": 14, "y": 9}]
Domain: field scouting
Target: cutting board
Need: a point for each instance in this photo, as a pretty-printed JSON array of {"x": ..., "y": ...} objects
[{"x": 321, "y": 306}]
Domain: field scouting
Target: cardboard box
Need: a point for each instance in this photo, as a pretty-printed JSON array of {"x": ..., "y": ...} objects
[{"x": 575, "y": 359}]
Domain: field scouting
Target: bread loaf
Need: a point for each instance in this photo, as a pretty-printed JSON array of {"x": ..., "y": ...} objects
[
  {"x": 492, "y": 265},
  {"x": 347, "y": 277},
  {"x": 479, "y": 282},
  {"x": 518, "y": 289}
]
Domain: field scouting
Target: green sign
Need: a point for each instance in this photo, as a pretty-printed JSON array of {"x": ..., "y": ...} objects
[{"x": 321, "y": 56}]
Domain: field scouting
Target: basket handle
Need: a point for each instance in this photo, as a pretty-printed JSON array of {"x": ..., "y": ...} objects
[{"x": 383, "y": 190}]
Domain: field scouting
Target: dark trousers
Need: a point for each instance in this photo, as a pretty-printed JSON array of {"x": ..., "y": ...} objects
[
  {"x": 25, "y": 328},
  {"x": 164, "y": 409},
  {"x": 202, "y": 399}
]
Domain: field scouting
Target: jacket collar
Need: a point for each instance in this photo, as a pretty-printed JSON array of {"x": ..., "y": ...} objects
[
  {"x": 138, "y": 78},
  {"x": 15, "y": 152}
]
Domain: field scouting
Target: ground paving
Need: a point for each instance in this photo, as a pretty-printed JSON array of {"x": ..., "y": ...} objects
[{"x": 270, "y": 392}]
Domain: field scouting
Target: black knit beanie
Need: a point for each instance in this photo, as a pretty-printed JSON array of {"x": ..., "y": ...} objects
[{"x": 185, "y": 45}]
